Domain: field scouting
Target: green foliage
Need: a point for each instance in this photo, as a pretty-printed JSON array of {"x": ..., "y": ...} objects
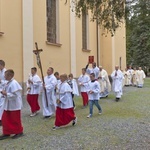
[
  {"x": 138, "y": 33},
  {"x": 109, "y": 14}
]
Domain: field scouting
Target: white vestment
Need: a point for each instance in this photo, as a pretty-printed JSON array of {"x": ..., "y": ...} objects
[
  {"x": 74, "y": 86},
  {"x": 127, "y": 78},
  {"x": 2, "y": 83},
  {"x": 83, "y": 81},
  {"x": 35, "y": 86},
  {"x": 13, "y": 100},
  {"x": 93, "y": 70},
  {"x": 64, "y": 95},
  {"x": 140, "y": 78},
  {"x": 117, "y": 83},
  {"x": 95, "y": 87},
  {"x": 104, "y": 83},
  {"x": 56, "y": 91},
  {"x": 134, "y": 77},
  {"x": 130, "y": 71},
  {"x": 50, "y": 84}
]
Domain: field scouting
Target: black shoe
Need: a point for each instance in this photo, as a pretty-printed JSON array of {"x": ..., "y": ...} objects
[
  {"x": 46, "y": 117},
  {"x": 17, "y": 136},
  {"x": 117, "y": 99},
  {"x": 2, "y": 137}
]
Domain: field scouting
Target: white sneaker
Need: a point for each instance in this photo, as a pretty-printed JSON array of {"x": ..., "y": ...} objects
[
  {"x": 55, "y": 128},
  {"x": 74, "y": 121},
  {"x": 89, "y": 116},
  {"x": 99, "y": 113},
  {"x": 33, "y": 114}
]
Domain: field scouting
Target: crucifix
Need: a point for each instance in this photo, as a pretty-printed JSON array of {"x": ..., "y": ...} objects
[{"x": 37, "y": 53}]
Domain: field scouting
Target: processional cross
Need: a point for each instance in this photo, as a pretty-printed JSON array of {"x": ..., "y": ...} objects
[{"x": 37, "y": 53}]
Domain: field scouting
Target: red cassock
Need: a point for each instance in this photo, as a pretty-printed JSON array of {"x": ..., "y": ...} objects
[
  {"x": 64, "y": 116},
  {"x": 11, "y": 122},
  {"x": 65, "y": 111},
  {"x": 85, "y": 98},
  {"x": 33, "y": 102},
  {"x": 11, "y": 118}
]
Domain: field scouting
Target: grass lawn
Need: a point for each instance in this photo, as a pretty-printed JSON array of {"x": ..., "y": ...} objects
[{"x": 123, "y": 125}]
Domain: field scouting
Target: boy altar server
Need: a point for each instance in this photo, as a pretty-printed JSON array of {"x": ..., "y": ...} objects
[
  {"x": 93, "y": 94},
  {"x": 83, "y": 81},
  {"x": 33, "y": 90},
  {"x": 65, "y": 111},
  {"x": 11, "y": 118}
]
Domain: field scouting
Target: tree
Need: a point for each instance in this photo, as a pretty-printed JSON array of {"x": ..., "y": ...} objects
[
  {"x": 109, "y": 14},
  {"x": 138, "y": 33}
]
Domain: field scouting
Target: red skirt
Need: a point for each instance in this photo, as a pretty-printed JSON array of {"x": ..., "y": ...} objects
[
  {"x": 33, "y": 102},
  {"x": 85, "y": 98},
  {"x": 11, "y": 122},
  {"x": 64, "y": 116}
]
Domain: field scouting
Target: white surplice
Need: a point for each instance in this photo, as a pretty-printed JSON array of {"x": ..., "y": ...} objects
[
  {"x": 83, "y": 81},
  {"x": 95, "y": 87},
  {"x": 13, "y": 100},
  {"x": 35, "y": 86},
  {"x": 64, "y": 95}
]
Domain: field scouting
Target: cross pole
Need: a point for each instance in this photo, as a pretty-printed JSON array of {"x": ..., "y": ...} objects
[{"x": 37, "y": 53}]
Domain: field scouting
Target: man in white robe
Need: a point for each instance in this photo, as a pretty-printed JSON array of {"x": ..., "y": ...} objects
[
  {"x": 140, "y": 77},
  {"x": 49, "y": 86},
  {"x": 2, "y": 83},
  {"x": 130, "y": 71},
  {"x": 134, "y": 77},
  {"x": 117, "y": 78},
  {"x": 104, "y": 82},
  {"x": 83, "y": 81},
  {"x": 127, "y": 77},
  {"x": 94, "y": 70}
]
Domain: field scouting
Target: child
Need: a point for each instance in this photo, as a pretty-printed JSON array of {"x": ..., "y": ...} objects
[
  {"x": 83, "y": 81},
  {"x": 93, "y": 94},
  {"x": 73, "y": 84},
  {"x": 33, "y": 90},
  {"x": 64, "y": 112},
  {"x": 11, "y": 118}
]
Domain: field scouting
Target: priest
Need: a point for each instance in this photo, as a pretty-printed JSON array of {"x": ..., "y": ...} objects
[
  {"x": 117, "y": 77},
  {"x": 140, "y": 77}
]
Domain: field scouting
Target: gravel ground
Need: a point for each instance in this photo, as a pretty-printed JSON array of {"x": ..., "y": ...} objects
[{"x": 124, "y": 125}]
